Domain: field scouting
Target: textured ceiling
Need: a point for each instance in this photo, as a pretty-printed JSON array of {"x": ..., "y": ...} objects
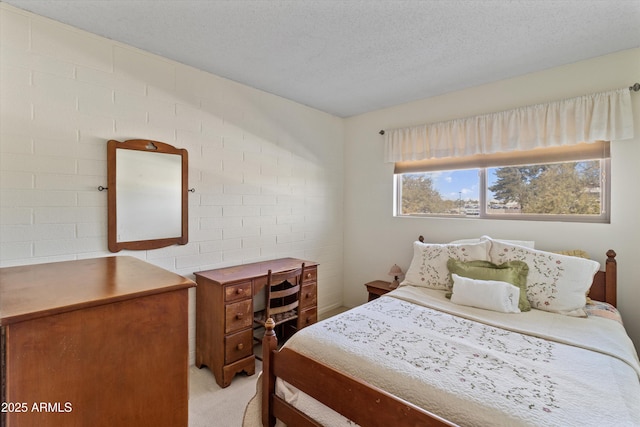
[{"x": 350, "y": 57}]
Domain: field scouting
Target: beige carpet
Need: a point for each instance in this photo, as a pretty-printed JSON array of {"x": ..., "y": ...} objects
[{"x": 212, "y": 406}]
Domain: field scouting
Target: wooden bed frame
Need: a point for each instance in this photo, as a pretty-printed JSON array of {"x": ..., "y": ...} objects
[{"x": 355, "y": 399}]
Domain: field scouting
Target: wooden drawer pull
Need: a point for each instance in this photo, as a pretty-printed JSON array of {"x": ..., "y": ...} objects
[
  {"x": 240, "y": 346},
  {"x": 308, "y": 275},
  {"x": 308, "y": 295},
  {"x": 238, "y": 291},
  {"x": 239, "y": 316}
]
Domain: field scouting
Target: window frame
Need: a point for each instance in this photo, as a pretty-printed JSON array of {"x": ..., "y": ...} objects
[{"x": 603, "y": 218}]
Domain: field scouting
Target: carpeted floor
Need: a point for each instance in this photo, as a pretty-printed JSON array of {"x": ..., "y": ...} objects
[{"x": 212, "y": 406}]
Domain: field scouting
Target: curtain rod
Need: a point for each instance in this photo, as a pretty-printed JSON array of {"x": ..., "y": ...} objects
[{"x": 634, "y": 88}]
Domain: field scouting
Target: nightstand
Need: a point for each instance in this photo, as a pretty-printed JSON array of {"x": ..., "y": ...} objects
[{"x": 377, "y": 288}]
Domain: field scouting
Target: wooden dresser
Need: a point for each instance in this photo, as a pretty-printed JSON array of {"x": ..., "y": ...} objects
[
  {"x": 96, "y": 342},
  {"x": 224, "y": 313}
]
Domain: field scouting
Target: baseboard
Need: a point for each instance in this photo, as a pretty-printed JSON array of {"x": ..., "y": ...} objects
[{"x": 331, "y": 311}]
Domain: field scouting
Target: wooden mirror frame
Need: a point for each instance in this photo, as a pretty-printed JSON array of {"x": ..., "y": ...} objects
[{"x": 151, "y": 147}]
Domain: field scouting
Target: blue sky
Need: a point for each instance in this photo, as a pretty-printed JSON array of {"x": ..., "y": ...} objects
[{"x": 461, "y": 183}]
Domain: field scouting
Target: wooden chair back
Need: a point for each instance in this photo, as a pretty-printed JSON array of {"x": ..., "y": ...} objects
[{"x": 283, "y": 291}]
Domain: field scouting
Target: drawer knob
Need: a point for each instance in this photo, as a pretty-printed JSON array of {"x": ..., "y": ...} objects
[
  {"x": 240, "y": 346},
  {"x": 308, "y": 275},
  {"x": 238, "y": 291},
  {"x": 239, "y": 316},
  {"x": 308, "y": 295}
]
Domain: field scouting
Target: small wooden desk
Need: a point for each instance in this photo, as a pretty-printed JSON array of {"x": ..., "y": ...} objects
[
  {"x": 98, "y": 342},
  {"x": 224, "y": 313},
  {"x": 377, "y": 288}
]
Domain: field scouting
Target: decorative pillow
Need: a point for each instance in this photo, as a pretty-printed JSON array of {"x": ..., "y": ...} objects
[
  {"x": 429, "y": 264},
  {"x": 527, "y": 243},
  {"x": 513, "y": 272},
  {"x": 486, "y": 294},
  {"x": 602, "y": 309},
  {"x": 555, "y": 282},
  {"x": 575, "y": 252}
]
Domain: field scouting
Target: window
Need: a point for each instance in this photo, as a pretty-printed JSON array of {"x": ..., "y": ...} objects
[
  {"x": 570, "y": 190},
  {"x": 526, "y": 163}
]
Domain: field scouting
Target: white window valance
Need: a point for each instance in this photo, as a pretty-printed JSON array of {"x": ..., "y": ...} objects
[{"x": 601, "y": 116}]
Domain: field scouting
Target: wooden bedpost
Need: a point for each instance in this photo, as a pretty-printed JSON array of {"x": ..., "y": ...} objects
[
  {"x": 611, "y": 277},
  {"x": 269, "y": 346}
]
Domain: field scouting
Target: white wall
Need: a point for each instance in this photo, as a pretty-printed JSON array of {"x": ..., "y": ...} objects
[
  {"x": 375, "y": 240},
  {"x": 268, "y": 172}
]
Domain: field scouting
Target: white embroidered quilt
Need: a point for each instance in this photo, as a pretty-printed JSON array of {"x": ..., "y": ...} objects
[{"x": 476, "y": 367}]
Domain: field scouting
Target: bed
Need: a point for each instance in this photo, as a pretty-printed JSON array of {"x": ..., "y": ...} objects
[{"x": 413, "y": 357}]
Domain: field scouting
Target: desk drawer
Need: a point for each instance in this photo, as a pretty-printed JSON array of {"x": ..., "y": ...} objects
[
  {"x": 237, "y": 292},
  {"x": 308, "y": 297},
  {"x": 238, "y": 346},
  {"x": 259, "y": 283},
  {"x": 307, "y": 317},
  {"x": 238, "y": 316},
  {"x": 310, "y": 275}
]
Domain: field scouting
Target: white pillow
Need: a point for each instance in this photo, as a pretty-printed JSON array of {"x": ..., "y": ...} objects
[
  {"x": 555, "y": 282},
  {"x": 486, "y": 294},
  {"x": 429, "y": 264},
  {"x": 526, "y": 243}
]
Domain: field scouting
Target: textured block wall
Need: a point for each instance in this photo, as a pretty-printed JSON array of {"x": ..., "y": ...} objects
[{"x": 268, "y": 172}]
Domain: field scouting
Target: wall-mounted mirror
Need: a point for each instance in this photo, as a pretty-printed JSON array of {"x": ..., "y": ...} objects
[{"x": 147, "y": 202}]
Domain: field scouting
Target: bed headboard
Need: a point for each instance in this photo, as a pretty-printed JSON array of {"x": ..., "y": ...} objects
[{"x": 605, "y": 282}]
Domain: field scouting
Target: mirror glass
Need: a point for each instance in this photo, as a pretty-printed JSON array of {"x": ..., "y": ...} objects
[{"x": 147, "y": 195}]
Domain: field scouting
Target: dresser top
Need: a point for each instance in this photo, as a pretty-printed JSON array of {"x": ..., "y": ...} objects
[
  {"x": 32, "y": 291},
  {"x": 253, "y": 270}
]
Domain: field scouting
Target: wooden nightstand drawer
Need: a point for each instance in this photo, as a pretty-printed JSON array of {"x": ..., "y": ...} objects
[
  {"x": 238, "y": 346},
  {"x": 308, "y": 296},
  {"x": 238, "y": 316},
  {"x": 237, "y": 292},
  {"x": 378, "y": 288}
]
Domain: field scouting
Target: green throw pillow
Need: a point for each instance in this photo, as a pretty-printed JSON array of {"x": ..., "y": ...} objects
[{"x": 514, "y": 272}]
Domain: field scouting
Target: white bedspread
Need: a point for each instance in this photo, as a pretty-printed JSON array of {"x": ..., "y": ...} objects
[{"x": 476, "y": 367}]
